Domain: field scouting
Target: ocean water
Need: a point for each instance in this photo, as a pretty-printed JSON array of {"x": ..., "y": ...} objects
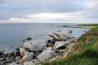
[{"x": 11, "y": 35}]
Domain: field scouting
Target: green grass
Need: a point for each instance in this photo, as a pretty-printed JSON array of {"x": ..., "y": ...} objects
[
  {"x": 84, "y": 53},
  {"x": 88, "y": 25}
]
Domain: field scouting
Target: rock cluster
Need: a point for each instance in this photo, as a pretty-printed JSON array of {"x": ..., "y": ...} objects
[
  {"x": 6, "y": 58},
  {"x": 36, "y": 51}
]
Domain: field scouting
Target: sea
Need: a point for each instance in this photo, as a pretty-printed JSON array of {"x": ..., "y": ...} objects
[{"x": 13, "y": 34}]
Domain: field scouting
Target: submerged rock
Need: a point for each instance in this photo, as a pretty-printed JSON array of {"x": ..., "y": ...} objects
[
  {"x": 47, "y": 54},
  {"x": 35, "y": 45},
  {"x": 28, "y": 38},
  {"x": 60, "y": 35}
]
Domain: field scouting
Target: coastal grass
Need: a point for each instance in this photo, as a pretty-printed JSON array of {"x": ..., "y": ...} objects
[
  {"x": 85, "y": 53},
  {"x": 87, "y": 25}
]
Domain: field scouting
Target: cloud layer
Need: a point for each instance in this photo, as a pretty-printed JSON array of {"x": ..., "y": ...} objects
[{"x": 73, "y": 11}]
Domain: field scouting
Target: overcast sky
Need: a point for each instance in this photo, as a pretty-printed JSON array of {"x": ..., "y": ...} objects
[{"x": 48, "y": 11}]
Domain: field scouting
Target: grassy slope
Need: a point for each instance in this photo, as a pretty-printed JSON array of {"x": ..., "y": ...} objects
[
  {"x": 88, "y": 25},
  {"x": 84, "y": 53}
]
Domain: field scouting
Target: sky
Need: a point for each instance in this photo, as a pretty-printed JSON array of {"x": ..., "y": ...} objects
[{"x": 48, "y": 11}]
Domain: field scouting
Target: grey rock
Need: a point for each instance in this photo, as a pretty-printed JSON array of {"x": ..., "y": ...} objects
[
  {"x": 1, "y": 63},
  {"x": 1, "y": 51},
  {"x": 26, "y": 55},
  {"x": 23, "y": 51},
  {"x": 60, "y": 35},
  {"x": 35, "y": 45},
  {"x": 29, "y": 63},
  {"x": 47, "y": 54},
  {"x": 35, "y": 61},
  {"x": 13, "y": 64},
  {"x": 18, "y": 58},
  {"x": 60, "y": 44},
  {"x": 28, "y": 38},
  {"x": 29, "y": 56},
  {"x": 10, "y": 50}
]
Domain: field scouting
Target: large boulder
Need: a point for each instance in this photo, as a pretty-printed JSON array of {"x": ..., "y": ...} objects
[
  {"x": 61, "y": 44},
  {"x": 47, "y": 54},
  {"x": 60, "y": 35},
  {"x": 35, "y": 45}
]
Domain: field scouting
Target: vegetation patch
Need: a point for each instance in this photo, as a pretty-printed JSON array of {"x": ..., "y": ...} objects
[{"x": 85, "y": 50}]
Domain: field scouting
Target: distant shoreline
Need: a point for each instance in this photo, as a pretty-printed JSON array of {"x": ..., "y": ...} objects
[{"x": 87, "y": 27}]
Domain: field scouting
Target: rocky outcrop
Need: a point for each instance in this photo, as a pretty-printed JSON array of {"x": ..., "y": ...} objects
[
  {"x": 60, "y": 35},
  {"x": 10, "y": 57},
  {"x": 36, "y": 51},
  {"x": 35, "y": 45}
]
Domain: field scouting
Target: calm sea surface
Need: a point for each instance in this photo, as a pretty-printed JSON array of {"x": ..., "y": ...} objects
[{"x": 11, "y": 35}]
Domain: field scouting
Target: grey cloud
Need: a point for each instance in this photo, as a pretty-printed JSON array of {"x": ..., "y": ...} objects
[
  {"x": 1, "y": 1},
  {"x": 44, "y": 5},
  {"x": 20, "y": 8},
  {"x": 92, "y": 13}
]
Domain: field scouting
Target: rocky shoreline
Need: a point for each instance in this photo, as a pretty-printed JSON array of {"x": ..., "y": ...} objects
[{"x": 36, "y": 51}]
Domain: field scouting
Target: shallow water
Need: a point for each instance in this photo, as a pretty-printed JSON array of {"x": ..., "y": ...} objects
[{"x": 11, "y": 35}]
